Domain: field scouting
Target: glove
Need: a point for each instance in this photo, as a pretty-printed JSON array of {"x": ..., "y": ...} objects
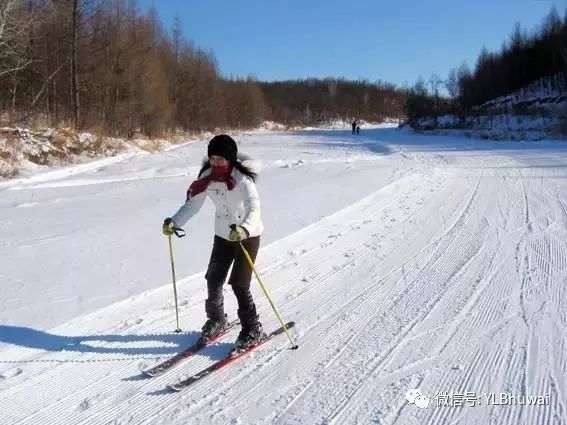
[
  {"x": 238, "y": 233},
  {"x": 168, "y": 227}
]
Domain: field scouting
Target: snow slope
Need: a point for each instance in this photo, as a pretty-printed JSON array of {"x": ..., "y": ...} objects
[
  {"x": 536, "y": 112},
  {"x": 407, "y": 262}
]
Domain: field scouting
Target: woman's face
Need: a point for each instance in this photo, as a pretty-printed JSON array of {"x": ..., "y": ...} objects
[{"x": 218, "y": 161}]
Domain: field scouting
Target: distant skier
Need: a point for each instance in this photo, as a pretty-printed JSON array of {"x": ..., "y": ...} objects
[
  {"x": 354, "y": 127},
  {"x": 357, "y": 128},
  {"x": 231, "y": 186}
]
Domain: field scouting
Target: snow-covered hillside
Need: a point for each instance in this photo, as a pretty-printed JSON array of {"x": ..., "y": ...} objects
[
  {"x": 408, "y": 262},
  {"x": 536, "y": 112},
  {"x": 542, "y": 93},
  {"x": 25, "y": 152}
]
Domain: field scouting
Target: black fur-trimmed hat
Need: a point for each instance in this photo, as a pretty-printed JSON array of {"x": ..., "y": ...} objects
[{"x": 223, "y": 145}]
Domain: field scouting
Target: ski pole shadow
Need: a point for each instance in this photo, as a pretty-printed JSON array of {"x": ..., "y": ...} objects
[{"x": 128, "y": 344}]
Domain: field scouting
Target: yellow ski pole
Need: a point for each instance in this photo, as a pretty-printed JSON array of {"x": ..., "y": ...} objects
[
  {"x": 179, "y": 235},
  {"x": 174, "y": 285},
  {"x": 294, "y": 346}
]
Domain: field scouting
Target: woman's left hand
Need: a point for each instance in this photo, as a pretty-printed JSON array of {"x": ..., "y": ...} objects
[{"x": 238, "y": 233}]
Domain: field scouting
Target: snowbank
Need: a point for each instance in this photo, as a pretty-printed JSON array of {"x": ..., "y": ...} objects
[{"x": 24, "y": 152}]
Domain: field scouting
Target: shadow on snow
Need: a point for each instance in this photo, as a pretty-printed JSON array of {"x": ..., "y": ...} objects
[{"x": 133, "y": 345}]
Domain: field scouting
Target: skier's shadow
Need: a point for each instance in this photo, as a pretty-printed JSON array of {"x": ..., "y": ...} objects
[{"x": 131, "y": 345}]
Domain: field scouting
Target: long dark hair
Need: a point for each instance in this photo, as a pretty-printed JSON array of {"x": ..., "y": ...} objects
[{"x": 238, "y": 165}]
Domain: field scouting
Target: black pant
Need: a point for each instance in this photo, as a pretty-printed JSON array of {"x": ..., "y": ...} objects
[{"x": 223, "y": 255}]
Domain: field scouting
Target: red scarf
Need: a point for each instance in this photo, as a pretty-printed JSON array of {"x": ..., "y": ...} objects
[{"x": 218, "y": 174}]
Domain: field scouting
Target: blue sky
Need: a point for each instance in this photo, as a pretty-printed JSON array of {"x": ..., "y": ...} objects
[{"x": 395, "y": 41}]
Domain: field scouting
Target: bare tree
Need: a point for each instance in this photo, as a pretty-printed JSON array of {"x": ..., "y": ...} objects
[
  {"x": 452, "y": 84},
  {"x": 434, "y": 83},
  {"x": 74, "y": 71},
  {"x": 14, "y": 37}
]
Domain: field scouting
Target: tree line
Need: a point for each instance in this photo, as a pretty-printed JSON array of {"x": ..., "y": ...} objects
[
  {"x": 313, "y": 101},
  {"x": 539, "y": 56},
  {"x": 103, "y": 65}
]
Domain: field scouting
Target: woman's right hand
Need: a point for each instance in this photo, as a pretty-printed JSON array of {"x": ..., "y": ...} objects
[{"x": 168, "y": 227}]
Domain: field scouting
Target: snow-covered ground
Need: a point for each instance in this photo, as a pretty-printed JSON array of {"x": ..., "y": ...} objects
[{"x": 407, "y": 261}]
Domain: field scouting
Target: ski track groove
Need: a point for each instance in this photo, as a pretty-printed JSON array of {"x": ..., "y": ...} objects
[{"x": 293, "y": 400}]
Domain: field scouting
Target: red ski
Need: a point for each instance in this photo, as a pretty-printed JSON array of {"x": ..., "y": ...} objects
[
  {"x": 164, "y": 366},
  {"x": 233, "y": 356}
]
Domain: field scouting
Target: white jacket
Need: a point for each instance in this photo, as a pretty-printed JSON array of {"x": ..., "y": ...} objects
[{"x": 240, "y": 206}]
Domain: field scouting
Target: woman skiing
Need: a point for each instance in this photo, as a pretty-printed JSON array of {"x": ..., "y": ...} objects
[{"x": 230, "y": 184}]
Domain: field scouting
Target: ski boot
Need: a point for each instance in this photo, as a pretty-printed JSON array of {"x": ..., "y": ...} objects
[
  {"x": 249, "y": 337},
  {"x": 212, "y": 328}
]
